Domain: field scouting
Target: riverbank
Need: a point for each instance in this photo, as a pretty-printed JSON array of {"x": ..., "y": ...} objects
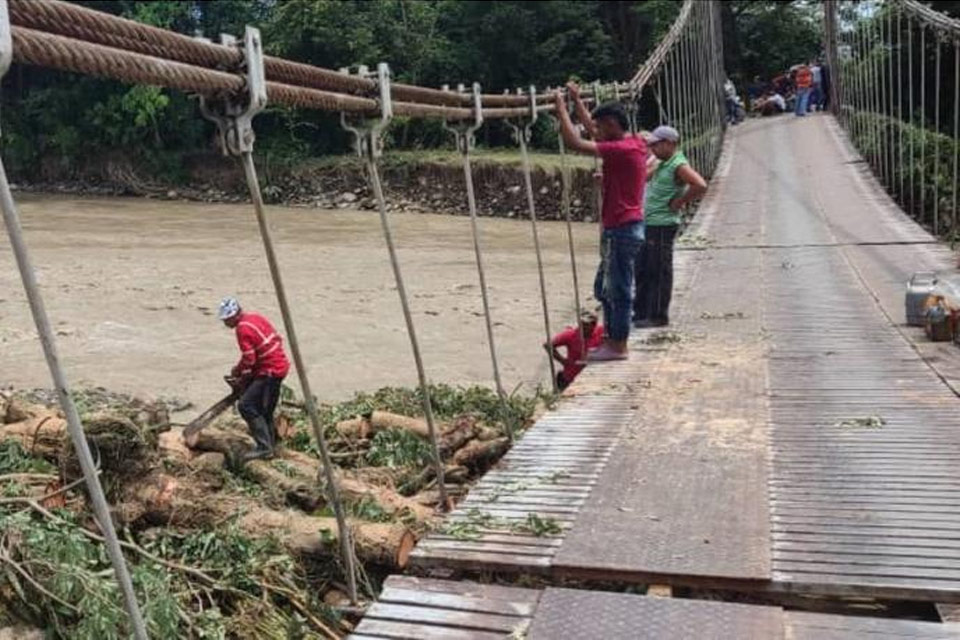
[{"x": 415, "y": 182}]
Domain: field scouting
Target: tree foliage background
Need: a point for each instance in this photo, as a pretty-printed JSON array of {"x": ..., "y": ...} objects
[{"x": 55, "y": 122}]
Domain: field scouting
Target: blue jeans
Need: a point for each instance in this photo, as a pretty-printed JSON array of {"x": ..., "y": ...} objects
[
  {"x": 816, "y": 97},
  {"x": 613, "y": 286},
  {"x": 803, "y": 99}
]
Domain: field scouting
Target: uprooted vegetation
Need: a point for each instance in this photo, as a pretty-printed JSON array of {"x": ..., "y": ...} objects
[{"x": 218, "y": 551}]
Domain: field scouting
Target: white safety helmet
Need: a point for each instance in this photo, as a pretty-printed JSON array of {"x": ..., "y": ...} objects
[{"x": 229, "y": 307}]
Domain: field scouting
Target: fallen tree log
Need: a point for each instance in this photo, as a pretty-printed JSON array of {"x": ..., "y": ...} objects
[
  {"x": 41, "y": 435},
  {"x": 299, "y": 482},
  {"x": 387, "y": 544},
  {"x": 368, "y": 425},
  {"x": 479, "y": 454},
  {"x": 118, "y": 444},
  {"x": 456, "y": 435},
  {"x": 452, "y": 474},
  {"x": 228, "y": 442},
  {"x": 19, "y": 410},
  {"x": 355, "y": 490},
  {"x": 297, "y": 489},
  {"x": 171, "y": 445}
]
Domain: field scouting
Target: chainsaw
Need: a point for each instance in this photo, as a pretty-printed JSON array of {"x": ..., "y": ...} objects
[{"x": 192, "y": 430}]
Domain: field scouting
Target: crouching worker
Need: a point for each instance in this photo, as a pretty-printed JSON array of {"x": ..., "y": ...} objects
[
  {"x": 258, "y": 376},
  {"x": 571, "y": 340}
]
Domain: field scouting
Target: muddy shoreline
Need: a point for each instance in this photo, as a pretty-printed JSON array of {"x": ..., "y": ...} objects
[{"x": 410, "y": 186}]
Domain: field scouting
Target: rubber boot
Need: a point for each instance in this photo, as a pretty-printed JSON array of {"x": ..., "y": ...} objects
[
  {"x": 273, "y": 433},
  {"x": 260, "y": 430}
]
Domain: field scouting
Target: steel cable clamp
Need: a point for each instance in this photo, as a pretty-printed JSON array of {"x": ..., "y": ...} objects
[
  {"x": 233, "y": 114},
  {"x": 368, "y": 132},
  {"x": 464, "y": 131},
  {"x": 523, "y": 126}
]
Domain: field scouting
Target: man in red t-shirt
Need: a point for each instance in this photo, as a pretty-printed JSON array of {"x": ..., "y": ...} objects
[
  {"x": 572, "y": 339},
  {"x": 624, "y": 158},
  {"x": 258, "y": 375}
]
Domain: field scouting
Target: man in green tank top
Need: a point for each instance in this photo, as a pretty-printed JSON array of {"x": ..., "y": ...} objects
[{"x": 671, "y": 185}]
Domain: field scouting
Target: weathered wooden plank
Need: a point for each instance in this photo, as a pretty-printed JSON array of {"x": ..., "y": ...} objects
[
  {"x": 410, "y": 631},
  {"x": 504, "y": 538},
  {"x": 485, "y": 547},
  {"x": 877, "y": 571},
  {"x": 476, "y": 560},
  {"x": 817, "y": 626},
  {"x": 428, "y": 615},
  {"x": 465, "y": 588},
  {"x": 450, "y": 601},
  {"x": 784, "y": 557}
]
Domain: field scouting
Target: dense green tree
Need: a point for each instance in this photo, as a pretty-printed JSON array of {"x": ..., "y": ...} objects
[
  {"x": 765, "y": 37},
  {"x": 59, "y": 121}
]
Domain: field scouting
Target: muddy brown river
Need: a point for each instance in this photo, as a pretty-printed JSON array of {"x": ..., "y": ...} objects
[{"x": 132, "y": 287}]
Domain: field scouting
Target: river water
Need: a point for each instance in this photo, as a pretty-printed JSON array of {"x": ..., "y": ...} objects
[{"x": 132, "y": 287}]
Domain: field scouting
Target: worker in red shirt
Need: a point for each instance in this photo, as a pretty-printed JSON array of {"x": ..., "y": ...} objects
[
  {"x": 571, "y": 340},
  {"x": 624, "y": 157},
  {"x": 258, "y": 376},
  {"x": 804, "y": 80}
]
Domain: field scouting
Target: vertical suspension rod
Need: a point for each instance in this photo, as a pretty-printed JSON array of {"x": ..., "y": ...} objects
[
  {"x": 78, "y": 438},
  {"x": 900, "y": 105},
  {"x": 936, "y": 143},
  {"x": 464, "y": 138},
  {"x": 956, "y": 133},
  {"x": 522, "y": 130},
  {"x": 346, "y": 546}
]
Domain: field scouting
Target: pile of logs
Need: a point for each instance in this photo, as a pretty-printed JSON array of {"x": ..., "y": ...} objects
[
  {"x": 163, "y": 482},
  {"x": 465, "y": 445}
]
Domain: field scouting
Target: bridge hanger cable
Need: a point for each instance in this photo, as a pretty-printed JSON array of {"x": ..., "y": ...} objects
[
  {"x": 936, "y": 142},
  {"x": 101, "y": 508},
  {"x": 895, "y": 169},
  {"x": 565, "y": 208},
  {"x": 368, "y": 142},
  {"x": 913, "y": 186},
  {"x": 956, "y": 135},
  {"x": 887, "y": 50},
  {"x": 464, "y": 137},
  {"x": 899, "y": 82},
  {"x": 522, "y": 131},
  {"x": 923, "y": 119},
  {"x": 233, "y": 115}
]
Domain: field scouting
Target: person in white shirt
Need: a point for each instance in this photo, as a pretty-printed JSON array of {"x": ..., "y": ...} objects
[{"x": 816, "y": 95}]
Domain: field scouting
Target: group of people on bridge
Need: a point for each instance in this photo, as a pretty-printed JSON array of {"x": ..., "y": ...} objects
[
  {"x": 803, "y": 88},
  {"x": 647, "y": 182}
]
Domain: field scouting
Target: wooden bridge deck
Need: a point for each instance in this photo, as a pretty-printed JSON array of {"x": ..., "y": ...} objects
[
  {"x": 735, "y": 449},
  {"x": 424, "y": 609}
]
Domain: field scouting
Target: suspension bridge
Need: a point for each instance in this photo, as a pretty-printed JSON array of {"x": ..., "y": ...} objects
[{"x": 729, "y": 457}]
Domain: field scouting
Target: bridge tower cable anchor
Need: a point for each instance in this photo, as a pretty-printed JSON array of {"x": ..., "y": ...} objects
[
  {"x": 368, "y": 142},
  {"x": 522, "y": 131},
  {"x": 101, "y": 507},
  {"x": 464, "y": 135},
  {"x": 233, "y": 115}
]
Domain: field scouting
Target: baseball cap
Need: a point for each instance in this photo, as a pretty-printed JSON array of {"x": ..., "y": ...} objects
[{"x": 663, "y": 132}]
